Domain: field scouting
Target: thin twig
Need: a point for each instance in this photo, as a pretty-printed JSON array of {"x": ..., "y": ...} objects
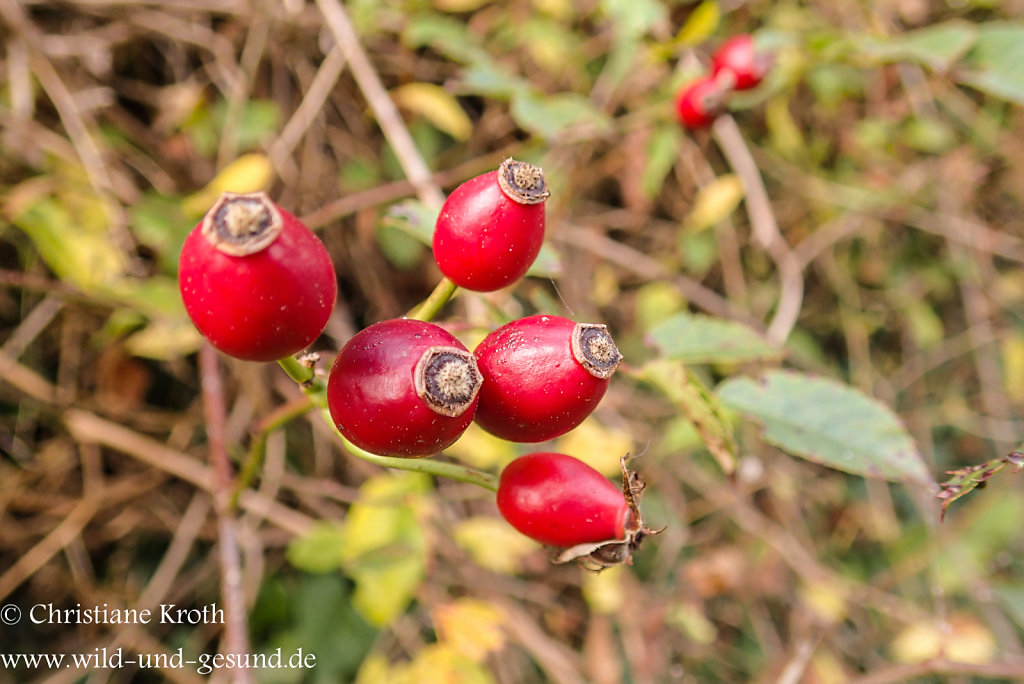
[
  {"x": 77, "y": 128},
  {"x": 236, "y": 634},
  {"x": 383, "y": 107},
  {"x": 766, "y": 231},
  {"x": 647, "y": 267},
  {"x": 939, "y": 666},
  {"x": 312, "y": 102},
  {"x": 87, "y": 427}
]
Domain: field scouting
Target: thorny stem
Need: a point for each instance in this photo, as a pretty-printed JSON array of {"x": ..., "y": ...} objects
[
  {"x": 434, "y": 302},
  {"x": 236, "y": 638}
]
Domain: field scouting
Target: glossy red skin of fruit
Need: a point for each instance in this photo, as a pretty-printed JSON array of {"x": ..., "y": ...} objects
[
  {"x": 371, "y": 391},
  {"x": 699, "y": 103},
  {"x": 262, "y": 306},
  {"x": 738, "y": 56},
  {"x": 483, "y": 240},
  {"x": 561, "y": 501},
  {"x": 534, "y": 389}
]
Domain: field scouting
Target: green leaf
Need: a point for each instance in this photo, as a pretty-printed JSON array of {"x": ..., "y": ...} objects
[
  {"x": 71, "y": 235},
  {"x": 829, "y": 423},
  {"x": 1012, "y": 598},
  {"x": 693, "y": 338},
  {"x": 487, "y": 79},
  {"x": 549, "y": 116},
  {"x": 633, "y": 18},
  {"x": 319, "y": 549},
  {"x": 936, "y": 46},
  {"x": 451, "y": 37},
  {"x": 662, "y": 152},
  {"x": 996, "y": 64}
]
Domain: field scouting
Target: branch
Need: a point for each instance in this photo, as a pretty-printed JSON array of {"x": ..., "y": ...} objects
[
  {"x": 766, "y": 231},
  {"x": 236, "y": 636}
]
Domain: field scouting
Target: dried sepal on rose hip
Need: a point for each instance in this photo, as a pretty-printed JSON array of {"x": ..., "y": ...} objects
[
  {"x": 739, "y": 64},
  {"x": 256, "y": 282},
  {"x": 543, "y": 375},
  {"x": 403, "y": 388},
  {"x": 561, "y": 501},
  {"x": 490, "y": 229}
]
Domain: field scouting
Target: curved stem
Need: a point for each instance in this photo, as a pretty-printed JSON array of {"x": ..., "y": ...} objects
[
  {"x": 429, "y": 466},
  {"x": 300, "y": 372},
  {"x": 434, "y": 302},
  {"x": 260, "y": 432}
]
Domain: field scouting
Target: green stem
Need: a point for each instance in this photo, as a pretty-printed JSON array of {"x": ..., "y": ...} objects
[
  {"x": 428, "y": 466},
  {"x": 434, "y": 302},
  {"x": 297, "y": 371},
  {"x": 316, "y": 390},
  {"x": 261, "y": 431}
]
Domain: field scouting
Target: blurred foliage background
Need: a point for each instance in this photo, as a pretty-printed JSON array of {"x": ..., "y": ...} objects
[{"x": 831, "y": 273}]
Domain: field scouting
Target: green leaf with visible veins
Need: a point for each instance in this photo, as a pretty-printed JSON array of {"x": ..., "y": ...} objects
[{"x": 827, "y": 422}]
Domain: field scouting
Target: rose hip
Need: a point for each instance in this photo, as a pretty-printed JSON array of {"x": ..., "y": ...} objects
[
  {"x": 403, "y": 388},
  {"x": 256, "y": 282}
]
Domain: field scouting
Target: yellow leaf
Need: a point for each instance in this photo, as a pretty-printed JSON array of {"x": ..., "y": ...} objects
[
  {"x": 374, "y": 670},
  {"x": 383, "y": 513},
  {"x": 826, "y": 599},
  {"x": 385, "y": 587},
  {"x": 701, "y": 24},
  {"x": 962, "y": 639},
  {"x": 605, "y": 289},
  {"x": 969, "y": 641},
  {"x": 1013, "y": 366},
  {"x": 70, "y": 232},
  {"x": 165, "y": 339},
  {"x": 249, "y": 173},
  {"x": 715, "y": 202},
  {"x": 597, "y": 446},
  {"x": 441, "y": 664},
  {"x": 493, "y": 543},
  {"x": 481, "y": 449},
  {"x": 918, "y": 642},
  {"x": 559, "y": 9},
  {"x": 689, "y": 618},
  {"x": 384, "y": 547},
  {"x": 785, "y": 134},
  {"x": 459, "y": 5},
  {"x": 471, "y": 627},
  {"x": 603, "y": 590},
  {"x": 826, "y": 668},
  {"x": 436, "y": 105}
]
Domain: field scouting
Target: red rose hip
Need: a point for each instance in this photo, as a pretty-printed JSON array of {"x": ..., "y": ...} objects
[
  {"x": 491, "y": 227},
  {"x": 700, "y": 102},
  {"x": 543, "y": 375},
  {"x": 256, "y": 282},
  {"x": 738, "y": 61},
  {"x": 561, "y": 501},
  {"x": 403, "y": 388}
]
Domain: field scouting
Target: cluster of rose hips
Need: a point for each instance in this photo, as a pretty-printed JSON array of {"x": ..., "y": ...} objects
[
  {"x": 260, "y": 286},
  {"x": 735, "y": 65}
]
